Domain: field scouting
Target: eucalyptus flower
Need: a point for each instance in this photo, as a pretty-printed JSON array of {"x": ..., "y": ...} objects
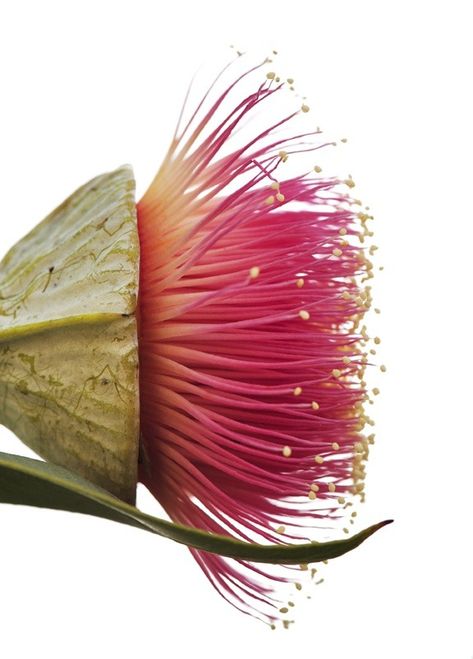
[{"x": 207, "y": 342}]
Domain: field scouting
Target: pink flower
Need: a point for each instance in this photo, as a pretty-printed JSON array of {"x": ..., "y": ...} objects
[{"x": 252, "y": 357}]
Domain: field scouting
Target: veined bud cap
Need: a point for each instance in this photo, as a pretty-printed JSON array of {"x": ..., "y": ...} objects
[{"x": 68, "y": 335}]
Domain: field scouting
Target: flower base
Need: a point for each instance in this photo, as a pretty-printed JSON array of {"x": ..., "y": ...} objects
[{"x": 68, "y": 335}]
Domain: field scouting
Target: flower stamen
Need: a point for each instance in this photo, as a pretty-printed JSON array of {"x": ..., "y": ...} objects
[{"x": 222, "y": 345}]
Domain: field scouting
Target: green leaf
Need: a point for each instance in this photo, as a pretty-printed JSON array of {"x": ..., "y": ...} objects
[{"x": 35, "y": 483}]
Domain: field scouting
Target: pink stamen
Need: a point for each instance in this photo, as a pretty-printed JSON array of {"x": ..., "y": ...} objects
[{"x": 251, "y": 357}]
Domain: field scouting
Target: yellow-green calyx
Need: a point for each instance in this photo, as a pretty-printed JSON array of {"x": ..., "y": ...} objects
[{"x": 68, "y": 336}]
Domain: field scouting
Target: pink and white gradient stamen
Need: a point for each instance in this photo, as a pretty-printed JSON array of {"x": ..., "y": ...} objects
[{"x": 251, "y": 356}]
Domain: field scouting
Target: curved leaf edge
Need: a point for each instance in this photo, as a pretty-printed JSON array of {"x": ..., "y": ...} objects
[{"x": 25, "y": 481}]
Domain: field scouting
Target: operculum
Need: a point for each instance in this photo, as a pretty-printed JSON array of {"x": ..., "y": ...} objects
[{"x": 68, "y": 335}]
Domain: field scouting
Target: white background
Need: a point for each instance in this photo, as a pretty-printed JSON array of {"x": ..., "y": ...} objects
[{"x": 87, "y": 86}]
